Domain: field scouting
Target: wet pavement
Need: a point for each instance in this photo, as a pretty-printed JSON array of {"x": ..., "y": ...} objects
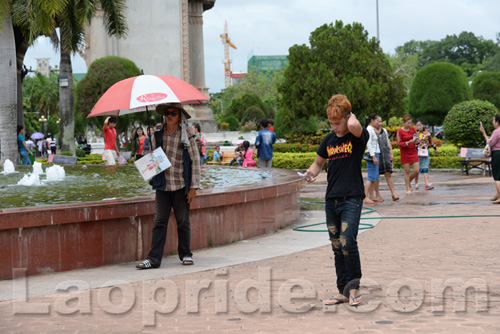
[{"x": 430, "y": 275}]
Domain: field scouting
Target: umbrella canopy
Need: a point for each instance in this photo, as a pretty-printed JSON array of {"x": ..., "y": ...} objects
[
  {"x": 37, "y": 135},
  {"x": 138, "y": 93}
]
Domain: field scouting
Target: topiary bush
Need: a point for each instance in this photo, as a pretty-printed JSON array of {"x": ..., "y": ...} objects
[
  {"x": 101, "y": 75},
  {"x": 232, "y": 121},
  {"x": 435, "y": 89},
  {"x": 252, "y": 113},
  {"x": 461, "y": 125},
  {"x": 80, "y": 153}
]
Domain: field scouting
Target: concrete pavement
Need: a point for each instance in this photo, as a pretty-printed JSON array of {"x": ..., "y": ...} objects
[{"x": 433, "y": 275}]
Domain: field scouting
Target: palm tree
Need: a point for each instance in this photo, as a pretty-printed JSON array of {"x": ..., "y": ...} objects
[
  {"x": 8, "y": 87},
  {"x": 41, "y": 95},
  {"x": 29, "y": 19},
  {"x": 72, "y": 22},
  {"x": 22, "y": 21}
]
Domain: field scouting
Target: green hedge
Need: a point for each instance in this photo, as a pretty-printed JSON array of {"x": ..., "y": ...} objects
[
  {"x": 447, "y": 159},
  {"x": 294, "y": 148},
  {"x": 293, "y": 160}
]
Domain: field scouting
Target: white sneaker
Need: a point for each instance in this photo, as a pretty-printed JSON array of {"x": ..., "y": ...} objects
[{"x": 416, "y": 186}]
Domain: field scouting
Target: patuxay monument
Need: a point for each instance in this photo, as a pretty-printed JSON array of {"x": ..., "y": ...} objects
[{"x": 164, "y": 37}]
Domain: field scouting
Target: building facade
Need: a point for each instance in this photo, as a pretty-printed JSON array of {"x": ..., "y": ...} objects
[{"x": 164, "y": 37}]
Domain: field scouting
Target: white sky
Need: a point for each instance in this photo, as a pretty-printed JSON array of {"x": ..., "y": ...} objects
[{"x": 271, "y": 27}]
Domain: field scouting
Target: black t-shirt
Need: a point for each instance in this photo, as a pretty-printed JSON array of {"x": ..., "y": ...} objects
[{"x": 344, "y": 156}]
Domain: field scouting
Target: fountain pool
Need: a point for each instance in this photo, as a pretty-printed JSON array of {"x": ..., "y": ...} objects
[
  {"x": 44, "y": 229},
  {"x": 33, "y": 186}
]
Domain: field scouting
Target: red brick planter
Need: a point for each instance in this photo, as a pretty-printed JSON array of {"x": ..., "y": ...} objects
[{"x": 69, "y": 236}]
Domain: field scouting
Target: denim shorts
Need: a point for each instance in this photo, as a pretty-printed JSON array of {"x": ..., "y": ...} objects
[
  {"x": 373, "y": 174},
  {"x": 424, "y": 164}
]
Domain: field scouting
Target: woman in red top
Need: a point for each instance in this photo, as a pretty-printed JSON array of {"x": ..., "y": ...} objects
[
  {"x": 407, "y": 138},
  {"x": 137, "y": 144}
]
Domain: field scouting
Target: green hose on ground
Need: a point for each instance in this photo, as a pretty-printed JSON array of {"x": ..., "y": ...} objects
[{"x": 367, "y": 226}]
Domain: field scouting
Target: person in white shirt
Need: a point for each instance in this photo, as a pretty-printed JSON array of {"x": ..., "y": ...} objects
[{"x": 373, "y": 149}]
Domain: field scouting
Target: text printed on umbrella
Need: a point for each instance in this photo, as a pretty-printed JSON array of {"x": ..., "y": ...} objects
[{"x": 151, "y": 97}]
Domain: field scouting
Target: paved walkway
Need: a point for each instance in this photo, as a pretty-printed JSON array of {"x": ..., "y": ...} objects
[{"x": 277, "y": 283}]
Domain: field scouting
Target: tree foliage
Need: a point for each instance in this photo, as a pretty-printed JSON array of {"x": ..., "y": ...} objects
[
  {"x": 254, "y": 114},
  {"x": 101, "y": 75},
  {"x": 461, "y": 125},
  {"x": 341, "y": 59},
  {"x": 239, "y": 105},
  {"x": 435, "y": 89},
  {"x": 486, "y": 87},
  {"x": 263, "y": 84},
  {"x": 41, "y": 98},
  {"x": 492, "y": 63},
  {"x": 41, "y": 94},
  {"x": 465, "y": 50}
]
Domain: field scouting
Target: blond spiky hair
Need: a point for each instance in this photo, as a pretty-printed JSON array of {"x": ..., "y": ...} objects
[{"x": 338, "y": 107}]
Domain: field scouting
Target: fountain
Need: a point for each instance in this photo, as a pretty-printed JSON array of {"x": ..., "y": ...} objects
[
  {"x": 37, "y": 168},
  {"x": 55, "y": 173},
  {"x": 30, "y": 180},
  {"x": 8, "y": 167},
  {"x": 64, "y": 225}
]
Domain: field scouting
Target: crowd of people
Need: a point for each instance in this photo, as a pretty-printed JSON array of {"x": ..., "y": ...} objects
[
  {"x": 414, "y": 144},
  {"x": 29, "y": 149}
]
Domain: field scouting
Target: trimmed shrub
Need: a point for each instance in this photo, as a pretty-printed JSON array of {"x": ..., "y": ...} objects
[
  {"x": 461, "y": 125},
  {"x": 80, "y": 153},
  {"x": 294, "y": 148},
  {"x": 293, "y": 160},
  {"x": 101, "y": 75},
  {"x": 435, "y": 89},
  {"x": 232, "y": 121},
  {"x": 253, "y": 114}
]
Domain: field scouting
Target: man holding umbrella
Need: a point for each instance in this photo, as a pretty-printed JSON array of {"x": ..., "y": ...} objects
[{"x": 176, "y": 186}]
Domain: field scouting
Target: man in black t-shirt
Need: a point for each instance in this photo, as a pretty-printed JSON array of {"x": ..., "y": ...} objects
[{"x": 343, "y": 148}]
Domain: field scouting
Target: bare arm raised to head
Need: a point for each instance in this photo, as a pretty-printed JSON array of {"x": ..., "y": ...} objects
[{"x": 354, "y": 126}]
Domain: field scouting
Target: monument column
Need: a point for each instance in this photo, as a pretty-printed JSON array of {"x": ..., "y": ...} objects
[{"x": 202, "y": 114}]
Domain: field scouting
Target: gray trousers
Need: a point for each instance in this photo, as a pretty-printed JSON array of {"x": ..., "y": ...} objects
[{"x": 261, "y": 163}]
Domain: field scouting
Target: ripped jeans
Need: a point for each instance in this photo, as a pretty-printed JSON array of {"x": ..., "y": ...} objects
[{"x": 342, "y": 219}]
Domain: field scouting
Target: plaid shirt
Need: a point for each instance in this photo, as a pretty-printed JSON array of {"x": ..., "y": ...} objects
[{"x": 173, "y": 147}]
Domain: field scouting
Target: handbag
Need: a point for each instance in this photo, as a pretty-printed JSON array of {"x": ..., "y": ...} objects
[
  {"x": 487, "y": 151},
  {"x": 367, "y": 157},
  {"x": 423, "y": 152}
]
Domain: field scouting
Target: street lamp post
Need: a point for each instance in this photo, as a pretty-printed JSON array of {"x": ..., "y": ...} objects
[
  {"x": 378, "y": 35},
  {"x": 44, "y": 122},
  {"x": 221, "y": 105}
]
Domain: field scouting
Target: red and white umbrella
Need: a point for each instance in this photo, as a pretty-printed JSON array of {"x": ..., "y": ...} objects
[{"x": 145, "y": 91}]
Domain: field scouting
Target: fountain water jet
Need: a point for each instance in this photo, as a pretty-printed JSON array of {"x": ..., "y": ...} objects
[
  {"x": 37, "y": 168},
  {"x": 30, "y": 180},
  {"x": 8, "y": 167},
  {"x": 55, "y": 173}
]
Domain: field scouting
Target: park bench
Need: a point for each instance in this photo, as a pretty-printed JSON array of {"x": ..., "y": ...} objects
[
  {"x": 62, "y": 159},
  {"x": 227, "y": 155},
  {"x": 474, "y": 159}
]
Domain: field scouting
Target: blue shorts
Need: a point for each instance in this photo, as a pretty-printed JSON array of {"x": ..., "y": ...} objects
[
  {"x": 373, "y": 174},
  {"x": 424, "y": 164}
]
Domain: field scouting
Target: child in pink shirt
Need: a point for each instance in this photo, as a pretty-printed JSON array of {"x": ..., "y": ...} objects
[{"x": 248, "y": 160}]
